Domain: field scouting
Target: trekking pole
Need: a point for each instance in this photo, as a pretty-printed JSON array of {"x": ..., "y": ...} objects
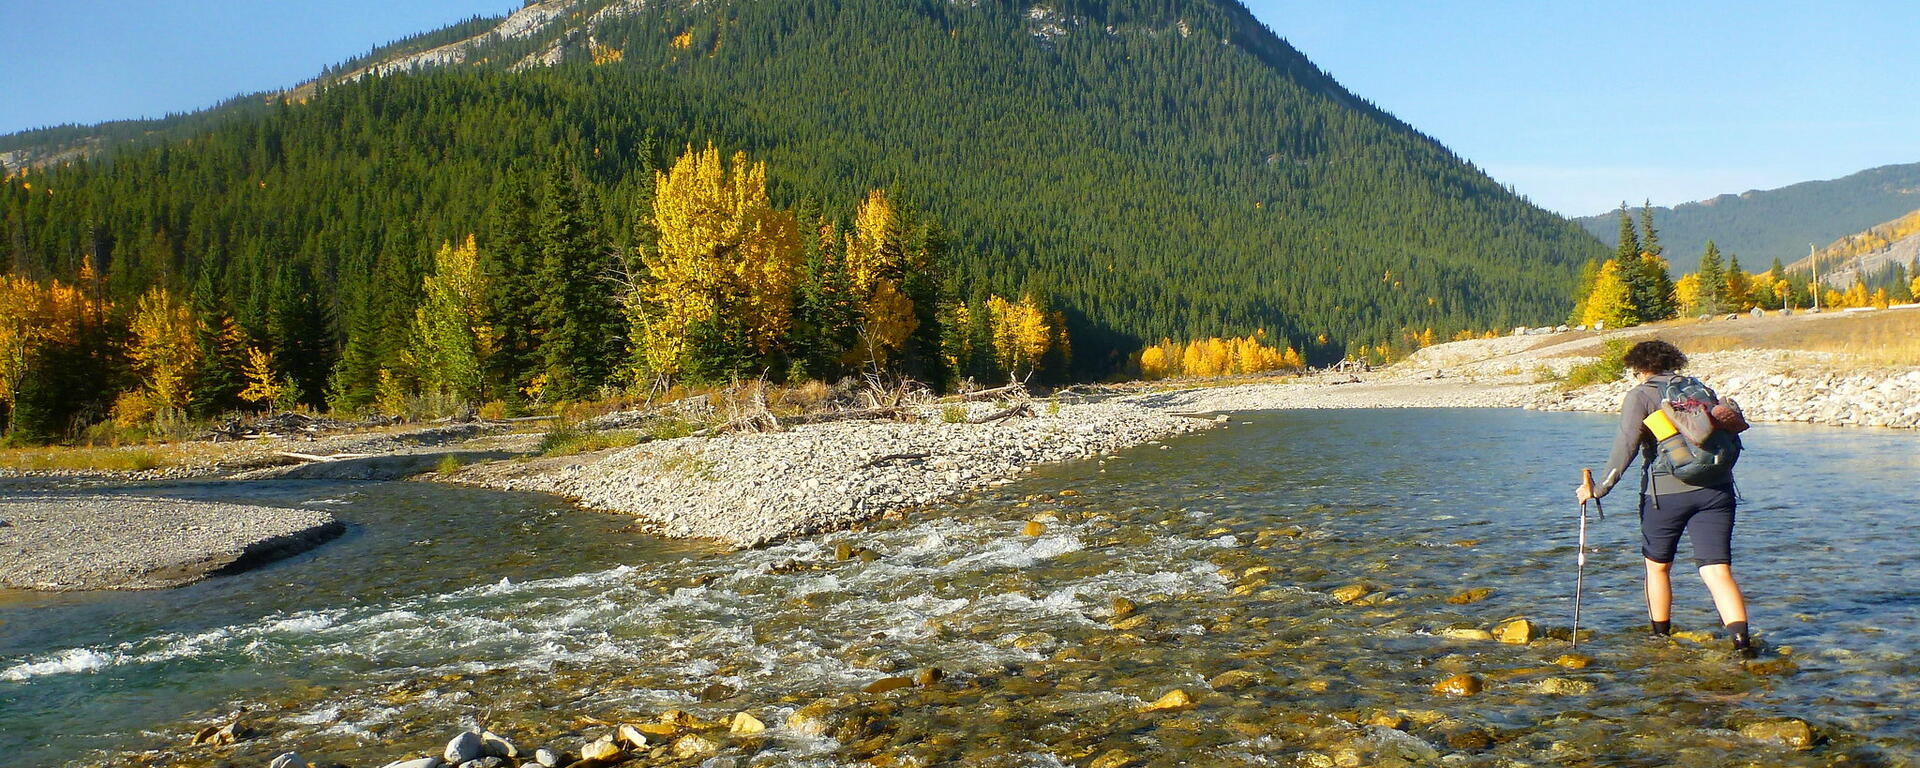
[{"x": 1580, "y": 569}]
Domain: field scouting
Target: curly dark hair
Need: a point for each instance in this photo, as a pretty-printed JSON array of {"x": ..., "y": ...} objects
[{"x": 1655, "y": 357}]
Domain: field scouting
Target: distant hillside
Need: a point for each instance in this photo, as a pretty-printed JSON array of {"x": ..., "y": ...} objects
[
  {"x": 1873, "y": 253},
  {"x": 1151, "y": 167},
  {"x": 1762, "y": 225}
]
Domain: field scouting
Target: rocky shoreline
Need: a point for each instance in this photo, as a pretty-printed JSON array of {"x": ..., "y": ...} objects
[
  {"x": 747, "y": 489},
  {"x": 66, "y": 542}
]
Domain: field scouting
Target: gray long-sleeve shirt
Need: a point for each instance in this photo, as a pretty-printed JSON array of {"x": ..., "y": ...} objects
[{"x": 1633, "y": 438}]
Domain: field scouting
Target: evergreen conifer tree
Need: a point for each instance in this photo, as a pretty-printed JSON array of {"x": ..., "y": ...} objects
[
  {"x": 573, "y": 302},
  {"x": 509, "y": 262}
]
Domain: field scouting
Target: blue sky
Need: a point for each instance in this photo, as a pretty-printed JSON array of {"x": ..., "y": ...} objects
[{"x": 1576, "y": 105}]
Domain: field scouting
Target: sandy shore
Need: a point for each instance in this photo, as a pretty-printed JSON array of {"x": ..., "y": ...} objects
[{"x": 60, "y": 542}]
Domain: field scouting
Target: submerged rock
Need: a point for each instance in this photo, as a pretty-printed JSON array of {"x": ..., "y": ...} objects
[
  {"x": 1792, "y": 732},
  {"x": 693, "y": 745},
  {"x": 1232, "y": 679},
  {"x": 1563, "y": 686},
  {"x": 1573, "y": 660},
  {"x": 1112, "y": 758},
  {"x": 1469, "y": 596},
  {"x": 927, "y": 678},
  {"x": 1173, "y": 699},
  {"x": 1465, "y": 633},
  {"x": 1458, "y": 685},
  {"x": 885, "y": 684},
  {"x": 1350, "y": 592}
]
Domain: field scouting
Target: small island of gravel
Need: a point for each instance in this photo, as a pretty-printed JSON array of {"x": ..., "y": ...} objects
[{"x": 66, "y": 542}]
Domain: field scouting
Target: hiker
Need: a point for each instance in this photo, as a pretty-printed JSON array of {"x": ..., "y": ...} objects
[{"x": 1669, "y": 505}]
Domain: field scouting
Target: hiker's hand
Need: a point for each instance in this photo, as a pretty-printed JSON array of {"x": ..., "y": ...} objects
[{"x": 1583, "y": 493}]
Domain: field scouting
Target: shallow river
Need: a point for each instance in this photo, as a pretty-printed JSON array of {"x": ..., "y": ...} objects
[{"x": 445, "y": 608}]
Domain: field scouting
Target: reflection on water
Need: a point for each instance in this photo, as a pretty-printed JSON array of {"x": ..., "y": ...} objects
[{"x": 524, "y": 617}]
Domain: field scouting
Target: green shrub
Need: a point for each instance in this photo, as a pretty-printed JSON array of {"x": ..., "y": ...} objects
[
  {"x": 1610, "y": 366},
  {"x": 568, "y": 439},
  {"x": 668, "y": 428},
  {"x": 448, "y": 465},
  {"x": 953, "y": 414}
]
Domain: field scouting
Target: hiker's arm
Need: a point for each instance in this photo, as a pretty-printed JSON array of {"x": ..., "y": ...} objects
[{"x": 1626, "y": 442}]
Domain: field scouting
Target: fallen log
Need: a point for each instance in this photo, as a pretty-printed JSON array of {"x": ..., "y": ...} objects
[
  {"x": 314, "y": 457},
  {"x": 1018, "y": 387},
  {"x": 1018, "y": 409},
  {"x": 891, "y": 457}
]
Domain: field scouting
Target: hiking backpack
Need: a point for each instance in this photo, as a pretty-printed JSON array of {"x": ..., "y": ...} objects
[{"x": 1705, "y": 443}]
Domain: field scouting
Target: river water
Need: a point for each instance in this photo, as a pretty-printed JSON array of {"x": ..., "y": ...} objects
[{"x": 445, "y": 608}]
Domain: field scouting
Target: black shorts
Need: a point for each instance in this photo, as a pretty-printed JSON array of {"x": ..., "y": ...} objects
[{"x": 1706, "y": 514}]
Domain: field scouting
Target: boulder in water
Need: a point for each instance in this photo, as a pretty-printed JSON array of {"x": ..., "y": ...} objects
[
  {"x": 885, "y": 684},
  {"x": 1458, "y": 685},
  {"x": 287, "y": 760},
  {"x": 1232, "y": 679},
  {"x": 1563, "y": 686},
  {"x": 1350, "y": 592},
  {"x": 693, "y": 745},
  {"x": 926, "y": 678},
  {"x": 602, "y": 749},
  {"x": 1034, "y": 528},
  {"x": 630, "y": 737},
  {"x": 1173, "y": 699},
  {"x": 1792, "y": 732},
  {"x": 1466, "y": 633},
  {"x": 1112, "y": 758},
  {"x": 549, "y": 757},
  {"x": 1469, "y": 596},
  {"x": 1573, "y": 660},
  {"x": 745, "y": 725},
  {"x": 1516, "y": 632}
]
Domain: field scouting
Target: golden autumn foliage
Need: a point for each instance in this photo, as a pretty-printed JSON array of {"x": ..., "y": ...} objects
[
  {"x": 724, "y": 266},
  {"x": 1021, "y": 334},
  {"x": 875, "y": 265},
  {"x": 264, "y": 386},
  {"x": 33, "y": 316},
  {"x": 1216, "y": 357},
  {"x": 1611, "y": 301},
  {"x": 164, "y": 348},
  {"x": 606, "y": 54},
  {"x": 450, "y": 333}
]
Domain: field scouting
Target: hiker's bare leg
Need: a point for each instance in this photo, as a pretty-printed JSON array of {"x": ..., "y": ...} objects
[
  {"x": 1660, "y": 591},
  {"x": 1726, "y": 593}
]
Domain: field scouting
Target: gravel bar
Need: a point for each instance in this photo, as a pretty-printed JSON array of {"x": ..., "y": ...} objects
[{"x": 63, "y": 542}]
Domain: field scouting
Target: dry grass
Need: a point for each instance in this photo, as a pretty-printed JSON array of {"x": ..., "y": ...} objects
[{"x": 81, "y": 459}]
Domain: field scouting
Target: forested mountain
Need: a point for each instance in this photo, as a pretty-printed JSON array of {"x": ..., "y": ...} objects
[
  {"x": 1154, "y": 168},
  {"x": 1762, "y": 225}
]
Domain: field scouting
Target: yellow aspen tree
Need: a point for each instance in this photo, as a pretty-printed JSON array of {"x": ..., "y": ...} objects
[
  {"x": 1686, "y": 293},
  {"x": 875, "y": 264},
  {"x": 264, "y": 386},
  {"x": 1021, "y": 334},
  {"x": 163, "y": 348},
  {"x": 724, "y": 256},
  {"x": 1611, "y": 301},
  {"x": 450, "y": 333}
]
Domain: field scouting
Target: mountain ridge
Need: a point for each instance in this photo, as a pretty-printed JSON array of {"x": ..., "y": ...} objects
[
  {"x": 1158, "y": 168},
  {"x": 1762, "y": 225}
]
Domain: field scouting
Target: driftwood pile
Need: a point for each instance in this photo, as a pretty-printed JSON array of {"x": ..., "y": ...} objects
[{"x": 288, "y": 424}]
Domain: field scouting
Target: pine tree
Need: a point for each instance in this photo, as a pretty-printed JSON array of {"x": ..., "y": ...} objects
[
  {"x": 1627, "y": 252},
  {"x": 573, "y": 301},
  {"x": 1711, "y": 296},
  {"x": 509, "y": 262},
  {"x": 1649, "y": 237}
]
